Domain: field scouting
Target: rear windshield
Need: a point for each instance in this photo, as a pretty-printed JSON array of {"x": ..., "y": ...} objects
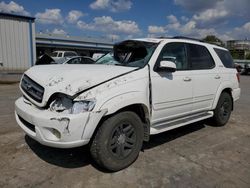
[{"x": 225, "y": 57}]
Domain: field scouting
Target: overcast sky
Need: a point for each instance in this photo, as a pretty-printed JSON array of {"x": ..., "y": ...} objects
[{"x": 121, "y": 19}]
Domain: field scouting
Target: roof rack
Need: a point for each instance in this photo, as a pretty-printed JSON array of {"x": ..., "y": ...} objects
[
  {"x": 161, "y": 37},
  {"x": 187, "y": 38}
]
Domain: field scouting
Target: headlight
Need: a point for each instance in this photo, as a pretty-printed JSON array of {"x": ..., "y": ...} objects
[
  {"x": 65, "y": 105},
  {"x": 83, "y": 106}
]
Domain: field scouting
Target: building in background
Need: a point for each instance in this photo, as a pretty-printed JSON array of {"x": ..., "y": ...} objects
[
  {"x": 240, "y": 49},
  {"x": 20, "y": 46},
  {"x": 17, "y": 42},
  {"x": 85, "y": 46}
]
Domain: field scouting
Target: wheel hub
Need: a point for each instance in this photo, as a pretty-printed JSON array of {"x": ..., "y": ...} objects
[
  {"x": 121, "y": 139},
  {"x": 222, "y": 110}
]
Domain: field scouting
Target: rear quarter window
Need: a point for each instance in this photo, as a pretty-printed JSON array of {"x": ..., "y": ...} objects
[{"x": 225, "y": 57}]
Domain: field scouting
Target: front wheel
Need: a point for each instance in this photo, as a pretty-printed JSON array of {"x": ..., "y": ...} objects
[
  {"x": 118, "y": 141},
  {"x": 223, "y": 109}
]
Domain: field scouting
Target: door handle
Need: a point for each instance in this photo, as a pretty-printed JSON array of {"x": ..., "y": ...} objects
[
  {"x": 217, "y": 77},
  {"x": 187, "y": 79}
]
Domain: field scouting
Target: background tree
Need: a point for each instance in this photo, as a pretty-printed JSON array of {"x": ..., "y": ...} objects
[
  {"x": 235, "y": 54},
  {"x": 213, "y": 40}
]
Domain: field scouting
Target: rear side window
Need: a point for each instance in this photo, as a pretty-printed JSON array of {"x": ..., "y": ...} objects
[
  {"x": 225, "y": 58},
  {"x": 74, "y": 61},
  {"x": 199, "y": 57},
  {"x": 87, "y": 61}
]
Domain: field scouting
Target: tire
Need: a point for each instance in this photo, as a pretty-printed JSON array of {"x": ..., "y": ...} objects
[
  {"x": 118, "y": 141},
  {"x": 223, "y": 110}
]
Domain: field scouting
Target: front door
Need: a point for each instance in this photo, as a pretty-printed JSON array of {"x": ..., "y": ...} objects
[{"x": 172, "y": 92}]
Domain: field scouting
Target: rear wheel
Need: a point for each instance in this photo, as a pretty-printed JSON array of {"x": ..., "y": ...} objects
[
  {"x": 223, "y": 109},
  {"x": 118, "y": 141}
]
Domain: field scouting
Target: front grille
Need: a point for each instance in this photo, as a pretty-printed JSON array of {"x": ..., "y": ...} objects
[
  {"x": 32, "y": 89},
  {"x": 27, "y": 124}
]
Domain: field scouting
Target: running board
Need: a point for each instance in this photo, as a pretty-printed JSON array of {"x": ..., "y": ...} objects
[{"x": 168, "y": 125}]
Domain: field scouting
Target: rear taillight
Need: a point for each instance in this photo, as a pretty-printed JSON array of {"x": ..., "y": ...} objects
[{"x": 238, "y": 76}]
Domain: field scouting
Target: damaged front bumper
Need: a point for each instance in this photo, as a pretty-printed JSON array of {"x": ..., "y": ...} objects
[{"x": 55, "y": 129}]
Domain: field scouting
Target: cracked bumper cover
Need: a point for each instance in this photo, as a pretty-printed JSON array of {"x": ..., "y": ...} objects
[{"x": 55, "y": 129}]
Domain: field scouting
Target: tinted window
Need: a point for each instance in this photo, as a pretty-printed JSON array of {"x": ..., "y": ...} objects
[
  {"x": 80, "y": 60},
  {"x": 74, "y": 61},
  {"x": 199, "y": 57},
  {"x": 175, "y": 52},
  {"x": 87, "y": 61},
  {"x": 225, "y": 57}
]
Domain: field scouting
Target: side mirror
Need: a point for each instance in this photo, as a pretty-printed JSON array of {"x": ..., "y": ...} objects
[{"x": 167, "y": 66}]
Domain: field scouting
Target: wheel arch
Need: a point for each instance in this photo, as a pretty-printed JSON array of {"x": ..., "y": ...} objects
[
  {"x": 139, "y": 109},
  {"x": 227, "y": 90}
]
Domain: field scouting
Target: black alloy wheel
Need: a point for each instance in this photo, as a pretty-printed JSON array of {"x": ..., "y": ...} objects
[
  {"x": 118, "y": 141},
  {"x": 223, "y": 109},
  {"x": 122, "y": 140}
]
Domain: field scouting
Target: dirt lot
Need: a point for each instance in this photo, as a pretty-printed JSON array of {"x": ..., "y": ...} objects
[{"x": 197, "y": 155}]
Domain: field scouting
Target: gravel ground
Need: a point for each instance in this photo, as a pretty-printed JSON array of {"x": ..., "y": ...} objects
[{"x": 197, "y": 155}]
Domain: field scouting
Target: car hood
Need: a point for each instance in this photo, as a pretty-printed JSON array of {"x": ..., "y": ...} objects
[{"x": 71, "y": 79}]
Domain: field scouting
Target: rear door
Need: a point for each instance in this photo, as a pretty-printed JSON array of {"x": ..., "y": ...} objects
[{"x": 205, "y": 75}]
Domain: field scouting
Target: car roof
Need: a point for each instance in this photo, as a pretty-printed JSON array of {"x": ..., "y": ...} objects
[
  {"x": 63, "y": 51},
  {"x": 73, "y": 57},
  {"x": 153, "y": 40},
  {"x": 80, "y": 56},
  {"x": 179, "y": 39}
]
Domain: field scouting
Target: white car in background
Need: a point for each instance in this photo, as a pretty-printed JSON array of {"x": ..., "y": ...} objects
[
  {"x": 79, "y": 60},
  {"x": 60, "y": 56}
]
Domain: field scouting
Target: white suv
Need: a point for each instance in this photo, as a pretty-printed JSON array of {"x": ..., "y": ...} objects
[
  {"x": 61, "y": 56},
  {"x": 144, "y": 87}
]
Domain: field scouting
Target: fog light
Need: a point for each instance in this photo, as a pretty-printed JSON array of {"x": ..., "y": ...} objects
[{"x": 56, "y": 133}]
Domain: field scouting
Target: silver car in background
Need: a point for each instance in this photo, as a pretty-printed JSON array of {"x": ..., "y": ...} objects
[{"x": 78, "y": 60}]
